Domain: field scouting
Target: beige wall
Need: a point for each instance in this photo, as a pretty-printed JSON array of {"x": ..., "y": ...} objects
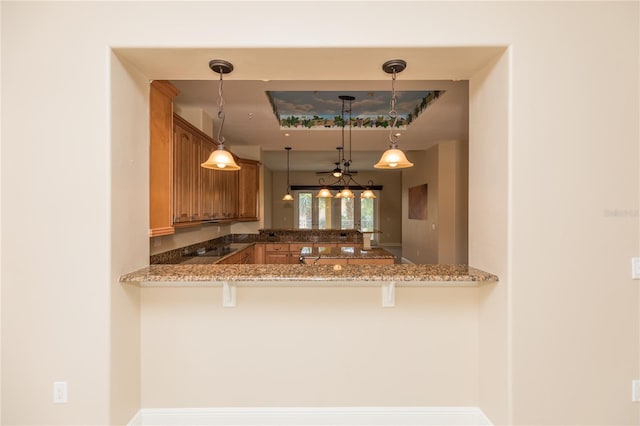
[
  {"x": 489, "y": 94},
  {"x": 308, "y": 347},
  {"x": 442, "y": 237},
  {"x": 389, "y": 203},
  {"x": 557, "y": 338},
  {"x": 419, "y": 238}
]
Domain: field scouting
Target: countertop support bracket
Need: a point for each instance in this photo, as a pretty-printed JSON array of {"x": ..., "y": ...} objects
[
  {"x": 389, "y": 294},
  {"x": 228, "y": 295}
]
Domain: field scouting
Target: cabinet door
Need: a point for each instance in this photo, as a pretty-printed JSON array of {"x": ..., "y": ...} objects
[
  {"x": 209, "y": 193},
  {"x": 161, "y": 94},
  {"x": 227, "y": 182},
  {"x": 249, "y": 186},
  {"x": 259, "y": 254},
  {"x": 184, "y": 177}
]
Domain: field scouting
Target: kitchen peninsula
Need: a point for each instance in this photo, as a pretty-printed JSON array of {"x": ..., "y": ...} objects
[{"x": 329, "y": 259}]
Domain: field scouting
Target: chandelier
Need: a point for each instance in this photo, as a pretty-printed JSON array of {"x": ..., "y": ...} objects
[{"x": 345, "y": 181}]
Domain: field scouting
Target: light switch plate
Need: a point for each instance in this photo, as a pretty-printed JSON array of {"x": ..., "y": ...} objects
[
  {"x": 60, "y": 393},
  {"x": 635, "y": 390},
  {"x": 635, "y": 268}
]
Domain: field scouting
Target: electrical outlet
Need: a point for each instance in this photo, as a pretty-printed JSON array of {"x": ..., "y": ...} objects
[
  {"x": 59, "y": 392},
  {"x": 635, "y": 390},
  {"x": 635, "y": 268}
]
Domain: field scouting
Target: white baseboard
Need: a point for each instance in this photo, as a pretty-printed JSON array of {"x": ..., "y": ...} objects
[{"x": 360, "y": 416}]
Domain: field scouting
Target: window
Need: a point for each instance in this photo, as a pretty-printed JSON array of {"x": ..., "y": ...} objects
[
  {"x": 324, "y": 213},
  {"x": 305, "y": 210},
  {"x": 336, "y": 213},
  {"x": 366, "y": 214},
  {"x": 346, "y": 213}
]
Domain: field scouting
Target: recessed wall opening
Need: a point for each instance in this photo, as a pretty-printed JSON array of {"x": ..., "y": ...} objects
[{"x": 478, "y": 359}]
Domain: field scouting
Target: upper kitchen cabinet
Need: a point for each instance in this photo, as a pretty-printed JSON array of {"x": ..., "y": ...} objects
[
  {"x": 227, "y": 185},
  {"x": 201, "y": 194},
  {"x": 161, "y": 94},
  {"x": 249, "y": 188},
  {"x": 187, "y": 176}
]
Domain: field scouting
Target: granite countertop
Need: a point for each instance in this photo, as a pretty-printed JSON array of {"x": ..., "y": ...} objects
[
  {"x": 213, "y": 256},
  {"x": 186, "y": 275},
  {"x": 345, "y": 253}
]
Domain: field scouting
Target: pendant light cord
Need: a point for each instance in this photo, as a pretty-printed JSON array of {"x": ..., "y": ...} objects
[
  {"x": 220, "y": 111},
  {"x": 288, "y": 185},
  {"x": 393, "y": 114},
  {"x": 350, "y": 108}
]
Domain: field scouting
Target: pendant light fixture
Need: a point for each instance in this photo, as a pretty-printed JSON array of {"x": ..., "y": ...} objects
[
  {"x": 288, "y": 196},
  {"x": 221, "y": 159},
  {"x": 393, "y": 158}
]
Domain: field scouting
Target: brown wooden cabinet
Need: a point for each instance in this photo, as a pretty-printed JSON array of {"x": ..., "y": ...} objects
[
  {"x": 248, "y": 189},
  {"x": 209, "y": 190},
  {"x": 198, "y": 193},
  {"x": 182, "y": 193},
  {"x": 277, "y": 253},
  {"x": 186, "y": 176},
  {"x": 259, "y": 253},
  {"x": 243, "y": 257},
  {"x": 227, "y": 184},
  {"x": 161, "y": 94}
]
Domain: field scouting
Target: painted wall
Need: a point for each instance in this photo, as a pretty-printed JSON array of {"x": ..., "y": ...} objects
[
  {"x": 558, "y": 337},
  {"x": 489, "y": 231},
  {"x": 442, "y": 236},
  {"x": 420, "y": 237},
  {"x": 129, "y": 251},
  {"x": 389, "y": 202},
  {"x": 308, "y": 347}
]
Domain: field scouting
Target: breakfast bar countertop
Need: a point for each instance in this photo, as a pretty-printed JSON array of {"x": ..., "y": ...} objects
[{"x": 213, "y": 275}]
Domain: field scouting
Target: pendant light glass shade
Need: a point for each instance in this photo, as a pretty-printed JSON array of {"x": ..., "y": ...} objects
[
  {"x": 393, "y": 158},
  {"x": 367, "y": 194},
  {"x": 324, "y": 193},
  {"x": 346, "y": 193},
  {"x": 287, "y": 197},
  {"x": 221, "y": 159}
]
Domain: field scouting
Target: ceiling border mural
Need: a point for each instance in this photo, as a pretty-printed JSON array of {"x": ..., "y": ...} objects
[{"x": 322, "y": 110}]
